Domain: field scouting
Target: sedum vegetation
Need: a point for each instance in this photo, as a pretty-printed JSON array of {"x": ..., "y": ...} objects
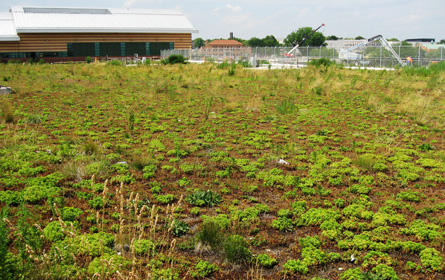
[{"x": 203, "y": 171}]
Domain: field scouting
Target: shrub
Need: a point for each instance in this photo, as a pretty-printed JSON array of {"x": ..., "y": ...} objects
[
  {"x": 353, "y": 274},
  {"x": 143, "y": 247},
  {"x": 204, "y": 198},
  {"x": 93, "y": 244},
  {"x": 374, "y": 258},
  {"x": 88, "y": 59},
  {"x": 107, "y": 265},
  {"x": 385, "y": 272},
  {"x": 149, "y": 171},
  {"x": 283, "y": 224},
  {"x": 174, "y": 59},
  {"x": 431, "y": 258},
  {"x": 321, "y": 62},
  {"x": 115, "y": 63},
  {"x": 295, "y": 266},
  {"x": 96, "y": 203},
  {"x": 179, "y": 228},
  {"x": 266, "y": 261},
  {"x": 310, "y": 242},
  {"x": 11, "y": 197},
  {"x": 71, "y": 213},
  {"x": 53, "y": 231},
  {"x": 203, "y": 269},
  {"x": 235, "y": 249},
  {"x": 165, "y": 198}
]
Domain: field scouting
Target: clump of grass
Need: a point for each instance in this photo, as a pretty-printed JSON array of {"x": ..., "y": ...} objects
[
  {"x": 90, "y": 148},
  {"x": 287, "y": 106},
  {"x": 210, "y": 235},
  {"x": 6, "y": 110},
  {"x": 365, "y": 161}
]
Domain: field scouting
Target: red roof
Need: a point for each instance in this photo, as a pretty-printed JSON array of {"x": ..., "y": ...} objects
[{"x": 228, "y": 43}]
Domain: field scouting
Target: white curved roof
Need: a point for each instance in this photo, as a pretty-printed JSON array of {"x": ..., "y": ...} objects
[
  {"x": 7, "y": 28},
  {"x": 26, "y": 19}
]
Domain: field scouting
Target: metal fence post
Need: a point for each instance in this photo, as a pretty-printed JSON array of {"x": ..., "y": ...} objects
[
  {"x": 380, "y": 56},
  {"x": 419, "y": 55}
]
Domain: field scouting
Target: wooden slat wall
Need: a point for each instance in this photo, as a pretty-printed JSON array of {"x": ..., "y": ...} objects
[{"x": 56, "y": 42}]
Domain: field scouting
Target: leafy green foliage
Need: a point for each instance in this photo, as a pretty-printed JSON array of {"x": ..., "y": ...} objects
[
  {"x": 174, "y": 59},
  {"x": 179, "y": 228},
  {"x": 266, "y": 261},
  {"x": 283, "y": 224},
  {"x": 431, "y": 259},
  {"x": 295, "y": 266},
  {"x": 203, "y": 269},
  {"x": 144, "y": 247},
  {"x": 53, "y": 231},
  {"x": 207, "y": 198},
  {"x": 107, "y": 265}
]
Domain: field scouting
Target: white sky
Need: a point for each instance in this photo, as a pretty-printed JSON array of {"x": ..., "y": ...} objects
[{"x": 401, "y": 19}]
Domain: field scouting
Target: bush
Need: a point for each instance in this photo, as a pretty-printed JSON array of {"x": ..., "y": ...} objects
[
  {"x": 115, "y": 63},
  {"x": 203, "y": 269},
  {"x": 431, "y": 258},
  {"x": 382, "y": 271},
  {"x": 11, "y": 197},
  {"x": 321, "y": 62},
  {"x": 143, "y": 247},
  {"x": 174, "y": 59},
  {"x": 266, "y": 261},
  {"x": 283, "y": 224},
  {"x": 88, "y": 59},
  {"x": 165, "y": 198},
  {"x": 71, "y": 213},
  {"x": 235, "y": 248},
  {"x": 53, "y": 231},
  {"x": 96, "y": 203},
  {"x": 107, "y": 264},
  {"x": 295, "y": 266},
  {"x": 94, "y": 244},
  {"x": 179, "y": 228},
  {"x": 204, "y": 198}
]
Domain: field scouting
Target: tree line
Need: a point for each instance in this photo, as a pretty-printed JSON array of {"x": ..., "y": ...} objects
[{"x": 295, "y": 37}]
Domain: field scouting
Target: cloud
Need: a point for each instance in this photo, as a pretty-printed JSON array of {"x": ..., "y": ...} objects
[
  {"x": 237, "y": 18},
  {"x": 234, "y": 8},
  {"x": 408, "y": 19},
  {"x": 133, "y": 3},
  {"x": 303, "y": 12}
]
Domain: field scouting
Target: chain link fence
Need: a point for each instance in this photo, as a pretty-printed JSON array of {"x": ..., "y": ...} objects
[{"x": 369, "y": 56}]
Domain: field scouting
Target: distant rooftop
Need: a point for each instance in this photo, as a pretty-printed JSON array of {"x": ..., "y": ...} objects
[
  {"x": 28, "y": 19},
  {"x": 427, "y": 40}
]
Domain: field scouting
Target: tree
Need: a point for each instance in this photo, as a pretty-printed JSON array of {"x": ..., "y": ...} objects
[
  {"x": 333, "y": 37},
  {"x": 296, "y": 37},
  {"x": 198, "y": 43},
  {"x": 270, "y": 41},
  {"x": 255, "y": 42},
  {"x": 242, "y": 41},
  {"x": 359, "y": 38},
  {"x": 393, "y": 39},
  {"x": 442, "y": 41}
]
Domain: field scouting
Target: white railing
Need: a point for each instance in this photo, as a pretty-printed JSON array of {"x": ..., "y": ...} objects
[{"x": 371, "y": 56}]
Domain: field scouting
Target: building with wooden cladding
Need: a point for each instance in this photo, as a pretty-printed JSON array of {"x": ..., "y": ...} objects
[{"x": 44, "y": 32}]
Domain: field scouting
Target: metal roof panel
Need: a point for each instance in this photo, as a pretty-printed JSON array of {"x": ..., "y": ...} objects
[{"x": 57, "y": 20}]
